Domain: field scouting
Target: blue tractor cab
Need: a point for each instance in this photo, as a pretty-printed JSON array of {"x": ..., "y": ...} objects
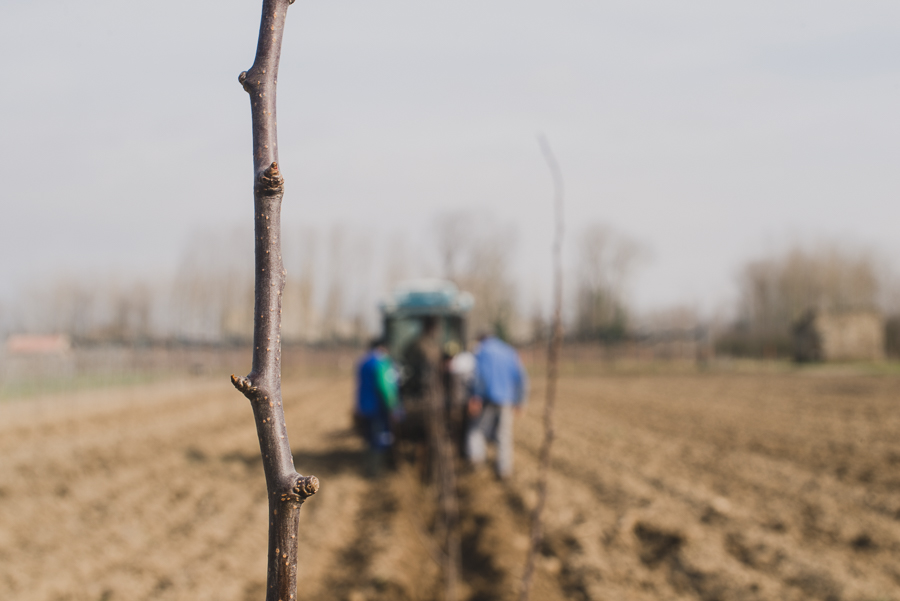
[
  {"x": 413, "y": 302},
  {"x": 415, "y": 307}
]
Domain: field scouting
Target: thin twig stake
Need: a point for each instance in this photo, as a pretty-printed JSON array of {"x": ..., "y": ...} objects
[
  {"x": 552, "y": 370},
  {"x": 286, "y": 488}
]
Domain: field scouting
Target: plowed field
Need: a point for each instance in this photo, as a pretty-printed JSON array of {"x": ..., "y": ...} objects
[{"x": 694, "y": 486}]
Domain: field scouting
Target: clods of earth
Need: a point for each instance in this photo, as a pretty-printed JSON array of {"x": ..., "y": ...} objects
[{"x": 707, "y": 486}]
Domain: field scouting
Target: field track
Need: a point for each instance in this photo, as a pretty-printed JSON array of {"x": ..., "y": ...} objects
[{"x": 693, "y": 486}]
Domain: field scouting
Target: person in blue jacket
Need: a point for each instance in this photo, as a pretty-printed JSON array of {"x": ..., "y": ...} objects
[
  {"x": 499, "y": 387},
  {"x": 376, "y": 403}
]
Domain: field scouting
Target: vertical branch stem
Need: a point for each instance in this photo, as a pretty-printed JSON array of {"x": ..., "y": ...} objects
[
  {"x": 286, "y": 488},
  {"x": 552, "y": 369},
  {"x": 448, "y": 502}
]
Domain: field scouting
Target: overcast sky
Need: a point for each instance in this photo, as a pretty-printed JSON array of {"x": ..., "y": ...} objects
[{"x": 711, "y": 131}]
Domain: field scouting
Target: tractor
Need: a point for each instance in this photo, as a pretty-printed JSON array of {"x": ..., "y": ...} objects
[{"x": 415, "y": 308}]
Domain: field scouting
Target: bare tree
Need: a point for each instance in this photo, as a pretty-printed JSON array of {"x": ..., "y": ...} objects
[
  {"x": 130, "y": 312},
  {"x": 68, "y": 305},
  {"x": 212, "y": 295},
  {"x": 359, "y": 274},
  {"x": 774, "y": 292},
  {"x": 606, "y": 260},
  {"x": 552, "y": 369},
  {"x": 338, "y": 259},
  {"x": 99, "y": 309},
  {"x": 397, "y": 263},
  {"x": 475, "y": 252},
  {"x": 454, "y": 234},
  {"x": 487, "y": 277},
  {"x": 286, "y": 488},
  {"x": 300, "y": 314}
]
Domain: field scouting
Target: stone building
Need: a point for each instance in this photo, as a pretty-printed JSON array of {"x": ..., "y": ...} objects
[{"x": 839, "y": 336}]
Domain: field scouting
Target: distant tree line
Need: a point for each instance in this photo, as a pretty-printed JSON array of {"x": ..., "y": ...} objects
[
  {"x": 605, "y": 263},
  {"x": 335, "y": 277},
  {"x": 476, "y": 253}
]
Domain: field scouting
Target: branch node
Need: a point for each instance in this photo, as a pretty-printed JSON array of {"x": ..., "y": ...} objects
[
  {"x": 270, "y": 182},
  {"x": 306, "y": 486},
  {"x": 244, "y": 385},
  {"x": 302, "y": 488},
  {"x": 242, "y": 79}
]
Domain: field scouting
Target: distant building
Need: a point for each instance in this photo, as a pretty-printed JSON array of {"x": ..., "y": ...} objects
[
  {"x": 839, "y": 336},
  {"x": 36, "y": 344}
]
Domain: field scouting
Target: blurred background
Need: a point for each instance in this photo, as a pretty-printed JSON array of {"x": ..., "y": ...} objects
[
  {"x": 728, "y": 403},
  {"x": 727, "y": 168}
]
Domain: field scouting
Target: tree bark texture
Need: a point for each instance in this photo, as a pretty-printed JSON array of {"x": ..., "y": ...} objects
[
  {"x": 444, "y": 469},
  {"x": 552, "y": 371},
  {"x": 286, "y": 488}
]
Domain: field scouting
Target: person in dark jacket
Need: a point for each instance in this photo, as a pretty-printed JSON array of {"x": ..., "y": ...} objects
[{"x": 376, "y": 403}]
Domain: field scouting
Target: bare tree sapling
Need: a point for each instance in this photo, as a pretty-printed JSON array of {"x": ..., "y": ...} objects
[
  {"x": 285, "y": 487},
  {"x": 552, "y": 370},
  {"x": 448, "y": 497}
]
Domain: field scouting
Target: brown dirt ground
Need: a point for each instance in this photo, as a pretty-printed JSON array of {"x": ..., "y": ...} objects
[{"x": 691, "y": 486}]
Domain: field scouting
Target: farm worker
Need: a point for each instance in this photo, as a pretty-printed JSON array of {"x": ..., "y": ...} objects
[
  {"x": 461, "y": 371},
  {"x": 376, "y": 403},
  {"x": 422, "y": 359},
  {"x": 500, "y": 385},
  {"x": 462, "y": 365},
  {"x": 422, "y": 378}
]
